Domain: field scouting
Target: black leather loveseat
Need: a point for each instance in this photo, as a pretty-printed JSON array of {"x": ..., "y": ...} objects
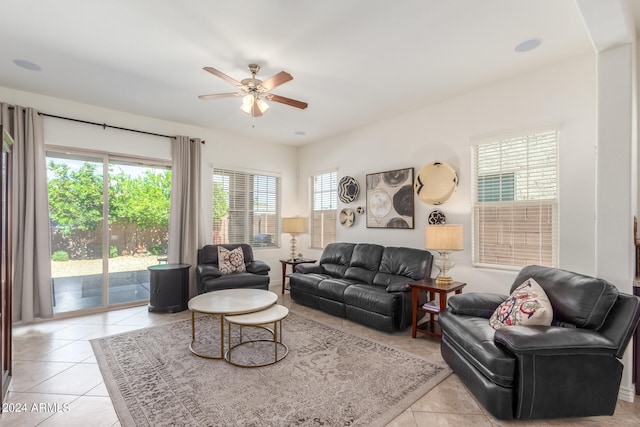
[
  {"x": 363, "y": 282},
  {"x": 568, "y": 369},
  {"x": 210, "y": 278}
]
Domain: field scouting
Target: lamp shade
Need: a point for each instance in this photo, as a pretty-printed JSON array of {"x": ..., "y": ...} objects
[
  {"x": 294, "y": 225},
  {"x": 449, "y": 237}
]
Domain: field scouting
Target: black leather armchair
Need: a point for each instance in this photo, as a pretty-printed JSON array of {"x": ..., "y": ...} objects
[
  {"x": 568, "y": 369},
  {"x": 209, "y": 278}
]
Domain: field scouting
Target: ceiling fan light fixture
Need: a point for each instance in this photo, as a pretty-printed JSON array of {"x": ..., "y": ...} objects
[
  {"x": 251, "y": 101},
  {"x": 263, "y": 106},
  {"x": 247, "y": 104}
]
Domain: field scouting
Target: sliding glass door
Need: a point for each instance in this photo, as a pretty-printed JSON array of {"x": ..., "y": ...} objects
[
  {"x": 109, "y": 222},
  {"x": 139, "y": 196}
]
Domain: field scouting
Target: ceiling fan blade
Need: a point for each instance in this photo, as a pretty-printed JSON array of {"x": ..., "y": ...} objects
[
  {"x": 219, "y": 95},
  {"x": 288, "y": 101},
  {"x": 223, "y": 76},
  {"x": 276, "y": 80}
]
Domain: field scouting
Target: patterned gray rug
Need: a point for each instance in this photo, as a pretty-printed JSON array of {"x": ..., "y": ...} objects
[{"x": 329, "y": 378}]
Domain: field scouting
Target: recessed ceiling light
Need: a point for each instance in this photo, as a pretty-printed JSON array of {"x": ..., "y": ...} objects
[
  {"x": 528, "y": 45},
  {"x": 300, "y": 132},
  {"x": 27, "y": 65}
]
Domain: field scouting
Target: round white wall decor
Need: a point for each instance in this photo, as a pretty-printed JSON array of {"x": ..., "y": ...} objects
[
  {"x": 436, "y": 182},
  {"x": 348, "y": 189},
  {"x": 347, "y": 217}
]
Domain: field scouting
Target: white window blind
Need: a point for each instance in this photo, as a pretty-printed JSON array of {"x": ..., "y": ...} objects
[
  {"x": 324, "y": 201},
  {"x": 246, "y": 208},
  {"x": 515, "y": 197}
]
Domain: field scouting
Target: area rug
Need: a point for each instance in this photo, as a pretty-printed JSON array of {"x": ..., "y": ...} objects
[{"x": 329, "y": 378}]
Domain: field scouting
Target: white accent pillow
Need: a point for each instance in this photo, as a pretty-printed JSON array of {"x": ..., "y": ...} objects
[
  {"x": 231, "y": 261},
  {"x": 528, "y": 304}
]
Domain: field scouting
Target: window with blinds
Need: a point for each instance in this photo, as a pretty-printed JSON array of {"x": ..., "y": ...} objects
[
  {"x": 515, "y": 198},
  {"x": 324, "y": 207},
  {"x": 246, "y": 208}
]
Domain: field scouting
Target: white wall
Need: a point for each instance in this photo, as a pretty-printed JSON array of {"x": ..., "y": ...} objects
[
  {"x": 563, "y": 94},
  {"x": 221, "y": 149}
]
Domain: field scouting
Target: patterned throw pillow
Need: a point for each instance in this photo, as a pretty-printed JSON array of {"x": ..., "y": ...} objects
[
  {"x": 527, "y": 305},
  {"x": 231, "y": 261}
]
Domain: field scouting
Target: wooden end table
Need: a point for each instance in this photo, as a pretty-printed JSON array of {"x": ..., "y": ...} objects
[
  {"x": 293, "y": 263},
  {"x": 433, "y": 307}
]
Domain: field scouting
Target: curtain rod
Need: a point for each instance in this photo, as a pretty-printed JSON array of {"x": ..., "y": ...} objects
[{"x": 104, "y": 125}]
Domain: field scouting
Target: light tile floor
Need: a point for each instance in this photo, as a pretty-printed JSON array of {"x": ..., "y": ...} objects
[{"x": 56, "y": 380}]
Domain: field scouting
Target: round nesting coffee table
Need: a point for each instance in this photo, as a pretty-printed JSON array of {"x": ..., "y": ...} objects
[
  {"x": 273, "y": 314},
  {"x": 227, "y": 302}
]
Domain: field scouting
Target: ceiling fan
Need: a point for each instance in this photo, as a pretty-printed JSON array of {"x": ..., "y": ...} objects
[{"x": 255, "y": 92}]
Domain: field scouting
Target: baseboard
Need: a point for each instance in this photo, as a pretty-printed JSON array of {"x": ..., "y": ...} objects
[{"x": 627, "y": 394}]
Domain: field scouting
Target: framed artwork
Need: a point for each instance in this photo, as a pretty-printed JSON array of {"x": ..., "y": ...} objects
[{"x": 390, "y": 199}]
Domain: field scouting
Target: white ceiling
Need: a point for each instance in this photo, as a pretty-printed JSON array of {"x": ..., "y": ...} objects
[{"x": 354, "y": 62}]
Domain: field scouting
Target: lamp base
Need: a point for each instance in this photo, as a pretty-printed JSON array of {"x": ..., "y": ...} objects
[
  {"x": 444, "y": 264},
  {"x": 444, "y": 281},
  {"x": 293, "y": 247}
]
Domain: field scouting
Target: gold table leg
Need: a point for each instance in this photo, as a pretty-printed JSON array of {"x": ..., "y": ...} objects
[{"x": 193, "y": 338}]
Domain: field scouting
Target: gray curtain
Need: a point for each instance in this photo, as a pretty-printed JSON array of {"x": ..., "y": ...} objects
[
  {"x": 32, "y": 292},
  {"x": 186, "y": 230}
]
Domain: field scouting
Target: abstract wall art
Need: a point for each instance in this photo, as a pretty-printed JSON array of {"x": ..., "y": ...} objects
[{"x": 390, "y": 199}]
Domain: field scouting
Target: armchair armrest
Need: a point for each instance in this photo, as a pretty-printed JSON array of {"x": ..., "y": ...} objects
[
  {"x": 559, "y": 367},
  {"x": 475, "y": 304},
  {"x": 258, "y": 267},
  {"x": 309, "y": 268},
  {"x": 207, "y": 271},
  {"x": 541, "y": 340}
]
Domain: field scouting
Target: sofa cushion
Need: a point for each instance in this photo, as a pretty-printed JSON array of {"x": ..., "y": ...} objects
[
  {"x": 307, "y": 283},
  {"x": 372, "y": 298},
  {"x": 576, "y": 299},
  {"x": 333, "y": 288},
  {"x": 473, "y": 338},
  {"x": 408, "y": 262},
  {"x": 335, "y": 258},
  {"x": 365, "y": 261},
  {"x": 230, "y": 261},
  {"x": 527, "y": 305}
]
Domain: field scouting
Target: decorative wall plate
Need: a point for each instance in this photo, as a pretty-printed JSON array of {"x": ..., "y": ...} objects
[
  {"x": 360, "y": 210},
  {"x": 436, "y": 217},
  {"x": 346, "y": 217},
  {"x": 436, "y": 182},
  {"x": 348, "y": 189}
]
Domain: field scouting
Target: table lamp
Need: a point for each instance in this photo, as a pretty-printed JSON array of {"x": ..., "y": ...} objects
[
  {"x": 444, "y": 239},
  {"x": 294, "y": 226}
]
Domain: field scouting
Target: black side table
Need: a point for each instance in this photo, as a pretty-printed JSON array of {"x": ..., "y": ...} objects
[{"x": 169, "y": 290}]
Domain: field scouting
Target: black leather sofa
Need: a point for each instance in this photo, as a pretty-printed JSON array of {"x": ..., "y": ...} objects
[
  {"x": 568, "y": 369},
  {"x": 363, "y": 282},
  {"x": 209, "y": 278}
]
